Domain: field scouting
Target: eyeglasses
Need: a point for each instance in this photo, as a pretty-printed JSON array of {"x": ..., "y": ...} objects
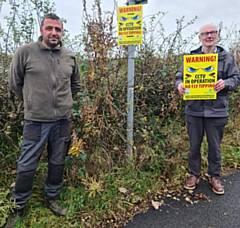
[{"x": 212, "y": 33}]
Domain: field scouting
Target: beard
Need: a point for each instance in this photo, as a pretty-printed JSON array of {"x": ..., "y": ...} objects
[{"x": 52, "y": 42}]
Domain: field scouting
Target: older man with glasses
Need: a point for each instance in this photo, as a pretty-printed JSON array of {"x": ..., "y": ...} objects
[{"x": 209, "y": 116}]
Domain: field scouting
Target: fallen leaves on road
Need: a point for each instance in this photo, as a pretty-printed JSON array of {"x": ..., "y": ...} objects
[
  {"x": 157, "y": 204},
  {"x": 192, "y": 198}
]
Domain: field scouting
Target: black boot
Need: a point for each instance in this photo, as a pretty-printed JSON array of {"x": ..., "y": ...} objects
[
  {"x": 55, "y": 207},
  {"x": 14, "y": 216}
]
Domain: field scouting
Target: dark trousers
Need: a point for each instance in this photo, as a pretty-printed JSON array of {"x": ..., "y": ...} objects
[
  {"x": 214, "y": 128},
  {"x": 36, "y": 135}
]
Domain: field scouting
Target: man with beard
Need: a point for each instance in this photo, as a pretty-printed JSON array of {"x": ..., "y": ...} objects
[{"x": 45, "y": 76}]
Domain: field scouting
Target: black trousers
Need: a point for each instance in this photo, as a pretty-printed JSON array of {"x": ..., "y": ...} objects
[
  {"x": 213, "y": 127},
  {"x": 36, "y": 135}
]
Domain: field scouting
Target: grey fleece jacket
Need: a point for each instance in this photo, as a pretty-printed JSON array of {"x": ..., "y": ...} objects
[
  {"x": 46, "y": 80},
  {"x": 229, "y": 72}
]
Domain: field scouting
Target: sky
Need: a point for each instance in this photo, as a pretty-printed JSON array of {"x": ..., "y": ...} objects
[
  {"x": 207, "y": 11},
  {"x": 213, "y": 11}
]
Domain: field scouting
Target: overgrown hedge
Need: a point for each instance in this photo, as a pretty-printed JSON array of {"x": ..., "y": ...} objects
[{"x": 99, "y": 112}]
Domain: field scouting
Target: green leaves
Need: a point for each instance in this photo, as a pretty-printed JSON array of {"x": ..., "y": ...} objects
[{"x": 6, "y": 206}]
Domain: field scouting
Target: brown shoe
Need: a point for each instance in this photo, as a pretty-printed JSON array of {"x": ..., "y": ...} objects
[
  {"x": 217, "y": 186},
  {"x": 191, "y": 182}
]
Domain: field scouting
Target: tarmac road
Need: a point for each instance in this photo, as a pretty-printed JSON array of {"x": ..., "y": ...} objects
[{"x": 216, "y": 212}]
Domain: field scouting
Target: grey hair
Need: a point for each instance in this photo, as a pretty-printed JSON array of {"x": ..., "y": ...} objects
[{"x": 212, "y": 25}]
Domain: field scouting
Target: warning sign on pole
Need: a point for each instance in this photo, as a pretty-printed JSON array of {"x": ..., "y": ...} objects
[{"x": 130, "y": 25}]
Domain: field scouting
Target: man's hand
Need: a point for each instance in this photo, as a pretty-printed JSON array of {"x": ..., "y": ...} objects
[
  {"x": 181, "y": 89},
  {"x": 219, "y": 85}
]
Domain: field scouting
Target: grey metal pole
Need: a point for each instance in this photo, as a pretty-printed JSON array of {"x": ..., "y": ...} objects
[
  {"x": 130, "y": 95},
  {"x": 130, "y": 99}
]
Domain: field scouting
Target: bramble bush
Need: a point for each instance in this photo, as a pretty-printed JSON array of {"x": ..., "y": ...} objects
[{"x": 99, "y": 112}]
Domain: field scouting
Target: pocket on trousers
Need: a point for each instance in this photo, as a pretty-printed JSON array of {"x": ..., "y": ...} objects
[
  {"x": 219, "y": 122},
  {"x": 65, "y": 129},
  {"x": 32, "y": 131}
]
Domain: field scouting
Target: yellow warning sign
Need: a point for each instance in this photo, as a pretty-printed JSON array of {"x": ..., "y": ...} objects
[
  {"x": 199, "y": 76},
  {"x": 130, "y": 25}
]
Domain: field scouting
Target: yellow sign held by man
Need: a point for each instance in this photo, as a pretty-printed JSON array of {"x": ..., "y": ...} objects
[
  {"x": 199, "y": 76},
  {"x": 130, "y": 25}
]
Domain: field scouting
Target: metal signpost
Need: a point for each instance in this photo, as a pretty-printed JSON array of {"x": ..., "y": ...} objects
[
  {"x": 130, "y": 98},
  {"x": 130, "y": 89}
]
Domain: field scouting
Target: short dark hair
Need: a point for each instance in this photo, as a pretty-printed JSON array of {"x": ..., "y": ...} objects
[{"x": 52, "y": 16}]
